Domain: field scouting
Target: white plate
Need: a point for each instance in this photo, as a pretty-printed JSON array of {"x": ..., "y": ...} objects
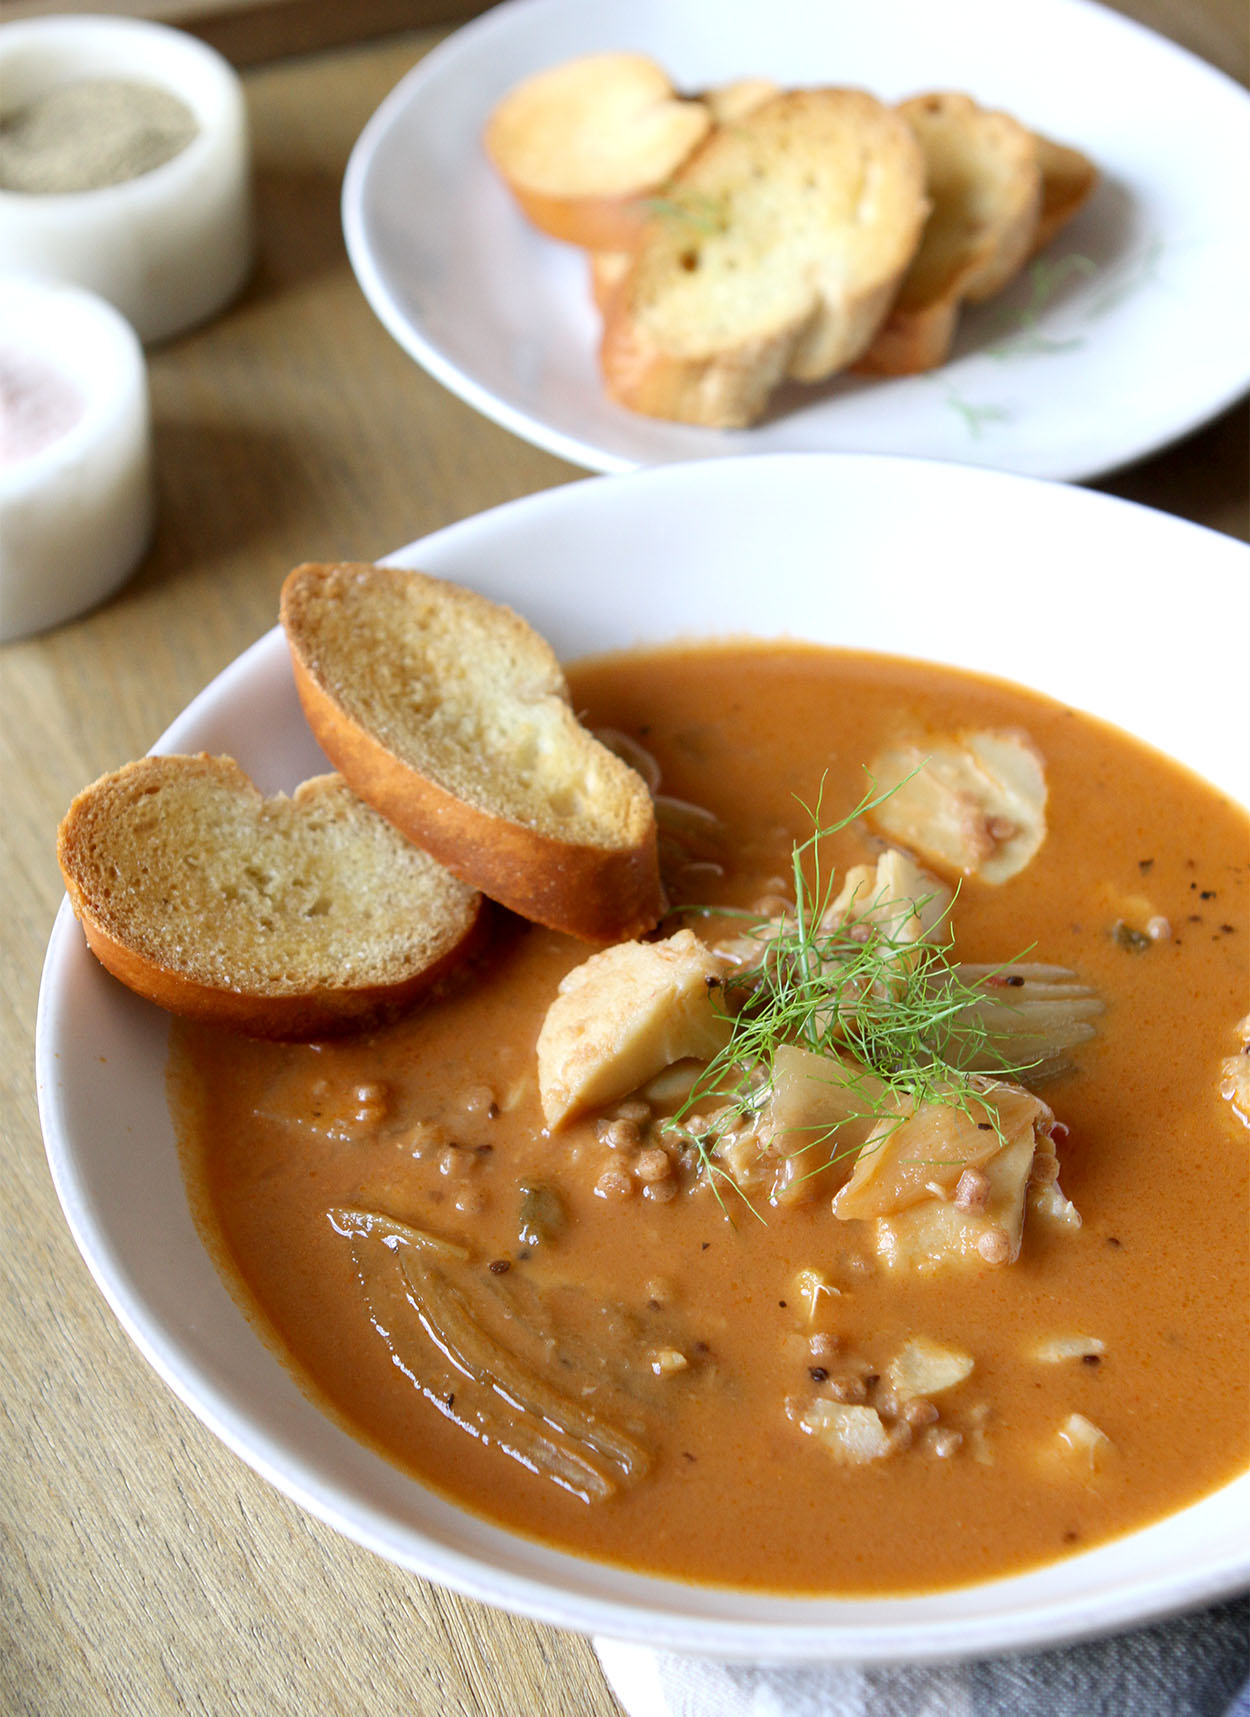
[
  {"x": 1128, "y": 332},
  {"x": 970, "y": 567}
]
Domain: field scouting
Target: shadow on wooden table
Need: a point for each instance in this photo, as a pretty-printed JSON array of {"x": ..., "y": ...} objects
[{"x": 1201, "y": 477}]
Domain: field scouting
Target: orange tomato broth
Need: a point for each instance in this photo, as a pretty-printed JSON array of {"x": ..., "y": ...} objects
[{"x": 1154, "y": 1159}]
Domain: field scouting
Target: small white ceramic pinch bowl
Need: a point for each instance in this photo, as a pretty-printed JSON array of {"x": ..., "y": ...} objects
[
  {"x": 76, "y": 504},
  {"x": 171, "y": 247}
]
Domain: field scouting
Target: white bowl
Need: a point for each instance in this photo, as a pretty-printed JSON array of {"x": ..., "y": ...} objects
[
  {"x": 76, "y": 512},
  {"x": 1092, "y": 600},
  {"x": 171, "y": 247}
]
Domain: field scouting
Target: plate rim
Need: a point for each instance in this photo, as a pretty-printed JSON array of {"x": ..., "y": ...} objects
[{"x": 531, "y": 426}]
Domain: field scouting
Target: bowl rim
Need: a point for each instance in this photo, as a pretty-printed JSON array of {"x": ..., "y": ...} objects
[{"x": 554, "y": 1586}]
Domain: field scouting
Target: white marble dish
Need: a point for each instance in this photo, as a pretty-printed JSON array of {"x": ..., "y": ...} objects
[
  {"x": 172, "y": 247},
  {"x": 76, "y": 484}
]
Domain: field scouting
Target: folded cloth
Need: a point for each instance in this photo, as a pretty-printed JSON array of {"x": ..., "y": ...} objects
[{"x": 1192, "y": 1666}]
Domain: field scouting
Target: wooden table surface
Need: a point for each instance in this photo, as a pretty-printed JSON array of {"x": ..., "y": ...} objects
[{"x": 144, "y": 1568}]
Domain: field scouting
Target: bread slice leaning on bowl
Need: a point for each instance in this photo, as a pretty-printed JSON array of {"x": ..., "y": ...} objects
[
  {"x": 450, "y": 715},
  {"x": 284, "y": 917}
]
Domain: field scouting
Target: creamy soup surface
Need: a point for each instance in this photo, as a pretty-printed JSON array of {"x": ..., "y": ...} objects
[{"x": 695, "y": 1338}]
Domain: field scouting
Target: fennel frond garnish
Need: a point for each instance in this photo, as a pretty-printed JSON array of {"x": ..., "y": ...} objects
[
  {"x": 688, "y": 208},
  {"x": 873, "y": 986}
]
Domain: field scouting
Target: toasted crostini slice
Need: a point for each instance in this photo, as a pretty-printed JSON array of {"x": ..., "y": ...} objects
[
  {"x": 777, "y": 252},
  {"x": 984, "y": 180},
  {"x": 283, "y": 917},
  {"x": 450, "y": 715},
  {"x": 583, "y": 144}
]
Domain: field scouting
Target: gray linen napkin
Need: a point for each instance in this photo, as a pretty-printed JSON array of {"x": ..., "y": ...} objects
[{"x": 1191, "y": 1666}]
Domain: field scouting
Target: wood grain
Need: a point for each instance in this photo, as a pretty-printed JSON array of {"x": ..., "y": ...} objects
[{"x": 145, "y": 1569}]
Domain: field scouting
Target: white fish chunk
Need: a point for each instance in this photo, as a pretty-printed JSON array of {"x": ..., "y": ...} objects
[
  {"x": 1235, "y": 1075},
  {"x": 622, "y": 1016},
  {"x": 937, "y": 1235},
  {"x": 895, "y": 894},
  {"x": 1082, "y": 1444},
  {"x": 818, "y": 1112},
  {"x": 923, "y": 1366},
  {"x": 921, "y": 1152},
  {"x": 1058, "y": 1348}
]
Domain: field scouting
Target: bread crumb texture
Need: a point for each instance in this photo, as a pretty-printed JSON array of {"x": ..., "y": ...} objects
[
  {"x": 603, "y": 125},
  {"x": 776, "y": 253},
  {"x": 183, "y": 861},
  {"x": 751, "y": 235},
  {"x": 465, "y": 693}
]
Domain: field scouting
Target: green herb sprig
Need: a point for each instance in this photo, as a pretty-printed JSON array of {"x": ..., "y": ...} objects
[
  {"x": 851, "y": 986},
  {"x": 695, "y": 209}
]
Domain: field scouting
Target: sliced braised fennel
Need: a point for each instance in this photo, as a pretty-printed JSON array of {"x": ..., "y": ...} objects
[
  {"x": 494, "y": 1366},
  {"x": 1028, "y": 1015}
]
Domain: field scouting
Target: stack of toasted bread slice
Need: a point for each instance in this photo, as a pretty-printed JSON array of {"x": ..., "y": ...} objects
[
  {"x": 463, "y": 773},
  {"x": 801, "y": 232}
]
